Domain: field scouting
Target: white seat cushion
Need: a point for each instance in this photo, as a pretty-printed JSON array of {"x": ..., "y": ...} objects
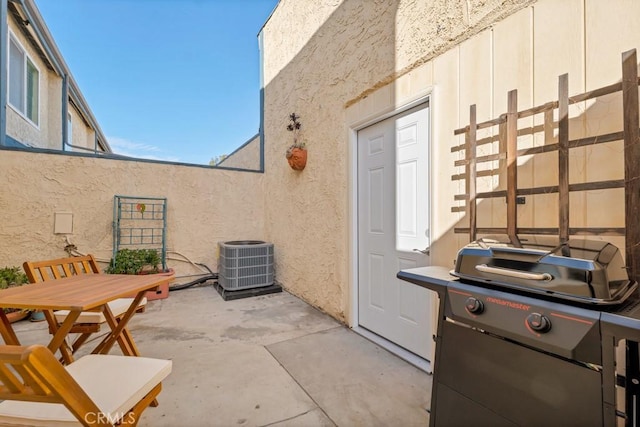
[
  {"x": 118, "y": 306},
  {"x": 114, "y": 383}
]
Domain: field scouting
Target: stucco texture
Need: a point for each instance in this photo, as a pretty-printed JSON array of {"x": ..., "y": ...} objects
[
  {"x": 342, "y": 64},
  {"x": 204, "y": 206},
  {"x": 316, "y": 67},
  {"x": 81, "y": 134},
  {"x": 245, "y": 157}
]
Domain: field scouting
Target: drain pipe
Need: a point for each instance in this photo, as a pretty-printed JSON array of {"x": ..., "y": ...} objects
[{"x": 65, "y": 111}]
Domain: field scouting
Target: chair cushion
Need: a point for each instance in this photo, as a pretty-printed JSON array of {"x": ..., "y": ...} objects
[
  {"x": 114, "y": 383},
  {"x": 118, "y": 306}
]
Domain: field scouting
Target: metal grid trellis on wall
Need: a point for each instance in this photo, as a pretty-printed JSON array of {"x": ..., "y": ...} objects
[{"x": 140, "y": 223}]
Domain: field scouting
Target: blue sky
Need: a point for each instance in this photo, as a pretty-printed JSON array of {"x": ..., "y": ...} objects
[{"x": 175, "y": 80}]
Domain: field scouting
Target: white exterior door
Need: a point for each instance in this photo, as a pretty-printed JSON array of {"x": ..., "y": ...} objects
[{"x": 393, "y": 220}]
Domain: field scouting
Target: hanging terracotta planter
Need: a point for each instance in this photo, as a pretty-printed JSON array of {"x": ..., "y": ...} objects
[
  {"x": 297, "y": 158},
  {"x": 296, "y": 153}
]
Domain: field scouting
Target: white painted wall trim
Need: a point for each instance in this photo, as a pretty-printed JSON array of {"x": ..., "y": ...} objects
[{"x": 391, "y": 111}]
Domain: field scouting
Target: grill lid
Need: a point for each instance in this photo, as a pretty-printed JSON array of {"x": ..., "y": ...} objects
[{"x": 583, "y": 270}]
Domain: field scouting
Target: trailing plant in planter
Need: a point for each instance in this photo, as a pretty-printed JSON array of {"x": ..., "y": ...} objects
[
  {"x": 297, "y": 152},
  {"x": 134, "y": 261},
  {"x": 140, "y": 261},
  {"x": 10, "y": 277}
]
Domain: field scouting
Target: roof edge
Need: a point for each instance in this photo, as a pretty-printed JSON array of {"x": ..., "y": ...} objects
[{"x": 51, "y": 49}]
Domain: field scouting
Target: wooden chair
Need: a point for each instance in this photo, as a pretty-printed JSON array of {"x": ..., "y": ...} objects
[
  {"x": 89, "y": 322},
  {"x": 95, "y": 390}
]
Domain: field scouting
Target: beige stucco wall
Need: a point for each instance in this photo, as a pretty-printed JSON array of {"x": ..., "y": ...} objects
[
  {"x": 81, "y": 134},
  {"x": 53, "y": 110},
  {"x": 341, "y": 65},
  {"x": 356, "y": 61},
  {"x": 203, "y": 205},
  {"x": 246, "y": 157}
]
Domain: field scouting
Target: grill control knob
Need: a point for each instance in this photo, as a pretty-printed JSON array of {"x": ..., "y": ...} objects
[
  {"x": 474, "y": 305},
  {"x": 539, "y": 322}
]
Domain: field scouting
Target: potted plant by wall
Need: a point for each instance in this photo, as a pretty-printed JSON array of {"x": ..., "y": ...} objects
[
  {"x": 140, "y": 261},
  {"x": 134, "y": 261},
  {"x": 297, "y": 152},
  {"x": 10, "y": 277}
]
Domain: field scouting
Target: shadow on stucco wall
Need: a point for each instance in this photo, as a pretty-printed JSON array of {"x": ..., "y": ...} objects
[
  {"x": 315, "y": 61},
  {"x": 318, "y": 60}
]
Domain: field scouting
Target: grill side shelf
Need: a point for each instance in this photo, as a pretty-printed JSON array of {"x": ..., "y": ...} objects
[
  {"x": 623, "y": 323},
  {"x": 433, "y": 278}
]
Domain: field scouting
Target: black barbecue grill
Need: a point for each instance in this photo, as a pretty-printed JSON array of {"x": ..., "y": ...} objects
[{"x": 528, "y": 332}]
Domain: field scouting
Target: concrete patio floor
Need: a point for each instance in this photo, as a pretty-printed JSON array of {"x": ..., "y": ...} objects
[{"x": 269, "y": 360}]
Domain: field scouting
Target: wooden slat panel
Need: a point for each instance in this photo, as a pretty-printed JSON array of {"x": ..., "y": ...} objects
[
  {"x": 563, "y": 158},
  {"x": 537, "y": 110},
  {"x": 512, "y": 164},
  {"x": 33, "y": 380},
  {"x": 606, "y": 90},
  {"x": 598, "y": 139},
  {"x": 65, "y": 269},
  {"x": 479, "y": 142},
  {"x": 481, "y": 230},
  {"x": 471, "y": 156},
  {"x": 574, "y": 143},
  {"x": 576, "y": 231},
  {"x": 483, "y": 125},
  {"x": 581, "y": 186},
  {"x": 10, "y": 381},
  {"x": 508, "y": 150},
  {"x": 631, "y": 161},
  {"x": 482, "y": 159},
  {"x": 460, "y": 176}
]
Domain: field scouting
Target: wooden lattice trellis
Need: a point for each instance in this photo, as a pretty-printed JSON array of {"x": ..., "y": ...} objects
[{"x": 507, "y": 136}]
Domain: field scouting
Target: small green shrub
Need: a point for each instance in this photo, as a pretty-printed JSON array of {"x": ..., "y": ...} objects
[
  {"x": 9, "y": 277},
  {"x": 12, "y": 276},
  {"x": 134, "y": 261}
]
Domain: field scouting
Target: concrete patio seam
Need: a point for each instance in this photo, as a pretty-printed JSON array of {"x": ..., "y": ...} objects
[
  {"x": 300, "y": 385},
  {"x": 294, "y": 417},
  {"x": 306, "y": 335}
]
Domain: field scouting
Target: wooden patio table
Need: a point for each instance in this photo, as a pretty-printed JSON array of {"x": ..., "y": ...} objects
[{"x": 86, "y": 292}]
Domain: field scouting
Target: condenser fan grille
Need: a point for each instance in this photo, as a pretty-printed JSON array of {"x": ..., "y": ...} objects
[{"x": 245, "y": 264}]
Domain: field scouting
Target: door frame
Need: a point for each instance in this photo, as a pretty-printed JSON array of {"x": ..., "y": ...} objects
[{"x": 352, "y": 318}]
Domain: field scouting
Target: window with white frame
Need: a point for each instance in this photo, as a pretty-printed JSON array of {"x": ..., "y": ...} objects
[{"x": 24, "y": 82}]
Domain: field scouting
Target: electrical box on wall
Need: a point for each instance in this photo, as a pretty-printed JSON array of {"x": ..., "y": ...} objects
[{"x": 63, "y": 223}]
